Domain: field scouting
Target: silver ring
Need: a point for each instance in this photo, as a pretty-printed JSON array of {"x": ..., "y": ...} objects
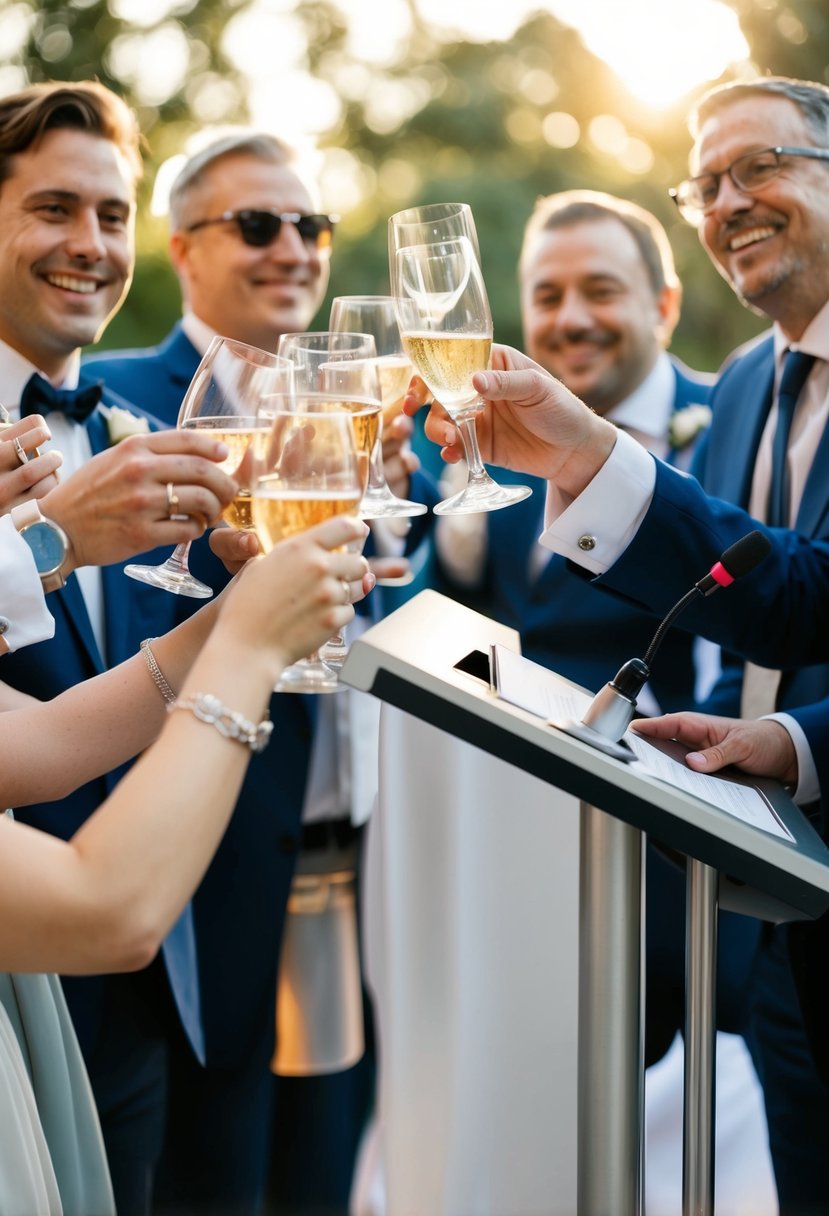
[
  {"x": 172, "y": 500},
  {"x": 346, "y": 591},
  {"x": 20, "y": 450}
]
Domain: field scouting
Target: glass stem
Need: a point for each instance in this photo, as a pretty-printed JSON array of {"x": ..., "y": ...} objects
[
  {"x": 177, "y": 561},
  {"x": 376, "y": 472},
  {"x": 477, "y": 473}
]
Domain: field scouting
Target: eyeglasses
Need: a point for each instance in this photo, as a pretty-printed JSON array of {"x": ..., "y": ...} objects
[
  {"x": 696, "y": 197},
  {"x": 260, "y": 228}
]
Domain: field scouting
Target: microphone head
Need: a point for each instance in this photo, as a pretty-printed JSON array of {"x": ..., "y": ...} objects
[{"x": 740, "y": 558}]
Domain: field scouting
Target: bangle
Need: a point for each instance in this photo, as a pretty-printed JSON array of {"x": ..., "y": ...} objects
[
  {"x": 156, "y": 673},
  {"x": 228, "y": 722}
]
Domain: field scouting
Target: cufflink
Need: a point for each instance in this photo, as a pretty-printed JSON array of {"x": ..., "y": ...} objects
[{"x": 586, "y": 543}]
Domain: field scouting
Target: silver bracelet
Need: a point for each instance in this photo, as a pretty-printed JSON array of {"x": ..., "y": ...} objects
[
  {"x": 228, "y": 722},
  {"x": 156, "y": 673}
]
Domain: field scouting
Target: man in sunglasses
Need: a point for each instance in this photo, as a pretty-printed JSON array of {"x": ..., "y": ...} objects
[{"x": 251, "y": 249}]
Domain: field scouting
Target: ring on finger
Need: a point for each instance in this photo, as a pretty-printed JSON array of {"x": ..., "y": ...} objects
[
  {"x": 20, "y": 451},
  {"x": 172, "y": 500},
  {"x": 346, "y": 591}
]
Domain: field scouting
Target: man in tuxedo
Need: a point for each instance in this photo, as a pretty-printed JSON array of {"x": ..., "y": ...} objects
[
  {"x": 69, "y": 163},
  {"x": 251, "y": 250}
]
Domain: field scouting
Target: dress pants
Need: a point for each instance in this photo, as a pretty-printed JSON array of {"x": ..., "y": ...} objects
[{"x": 797, "y": 1101}]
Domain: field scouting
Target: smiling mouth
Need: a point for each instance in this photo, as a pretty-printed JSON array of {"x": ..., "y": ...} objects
[
  {"x": 68, "y": 282},
  {"x": 750, "y": 236}
]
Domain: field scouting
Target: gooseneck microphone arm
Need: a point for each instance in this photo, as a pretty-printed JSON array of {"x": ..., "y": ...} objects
[{"x": 612, "y": 709}]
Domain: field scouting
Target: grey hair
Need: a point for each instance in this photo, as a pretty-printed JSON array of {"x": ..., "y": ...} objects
[
  {"x": 811, "y": 98},
  {"x": 256, "y": 144},
  {"x": 570, "y": 207}
]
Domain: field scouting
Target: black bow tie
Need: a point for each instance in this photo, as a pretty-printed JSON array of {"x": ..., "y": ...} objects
[{"x": 39, "y": 397}]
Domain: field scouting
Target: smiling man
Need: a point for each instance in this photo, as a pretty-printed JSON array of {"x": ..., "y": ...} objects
[{"x": 759, "y": 196}]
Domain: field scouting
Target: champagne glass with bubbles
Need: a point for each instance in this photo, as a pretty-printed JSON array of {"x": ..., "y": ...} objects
[
  {"x": 225, "y": 396},
  {"x": 446, "y": 325},
  {"x": 306, "y": 471},
  {"x": 376, "y": 315}
]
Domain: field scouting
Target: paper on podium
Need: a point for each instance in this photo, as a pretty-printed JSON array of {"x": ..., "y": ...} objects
[{"x": 539, "y": 691}]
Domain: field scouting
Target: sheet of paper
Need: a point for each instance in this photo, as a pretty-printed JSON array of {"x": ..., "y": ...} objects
[
  {"x": 536, "y": 689},
  {"x": 743, "y": 801}
]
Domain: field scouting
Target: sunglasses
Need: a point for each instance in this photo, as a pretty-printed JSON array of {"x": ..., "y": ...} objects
[{"x": 260, "y": 228}]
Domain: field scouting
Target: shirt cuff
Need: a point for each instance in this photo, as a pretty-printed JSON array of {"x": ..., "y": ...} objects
[
  {"x": 24, "y": 617},
  {"x": 595, "y": 528},
  {"x": 808, "y": 785}
]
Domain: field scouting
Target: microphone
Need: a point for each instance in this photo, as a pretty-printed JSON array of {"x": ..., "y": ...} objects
[{"x": 611, "y": 710}]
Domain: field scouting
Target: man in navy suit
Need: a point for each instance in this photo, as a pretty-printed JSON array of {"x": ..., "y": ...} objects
[
  {"x": 758, "y": 195},
  {"x": 251, "y": 251},
  {"x": 69, "y": 163},
  {"x": 600, "y": 300}
]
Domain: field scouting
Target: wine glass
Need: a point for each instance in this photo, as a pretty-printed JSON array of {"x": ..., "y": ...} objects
[
  {"x": 224, "y": 396},
  {"x": 376, "y": 315},
  {"x": 446, "y": 325},
  {"x": 305, "y": 471}
]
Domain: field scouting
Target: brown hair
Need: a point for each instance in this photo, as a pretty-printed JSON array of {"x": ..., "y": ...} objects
[
  {"x": 26, "y": 116},
  {"x": 571, "y": 207}
]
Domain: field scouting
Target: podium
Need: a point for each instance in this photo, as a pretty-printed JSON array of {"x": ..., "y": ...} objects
[{"x": 410, "y": 660}]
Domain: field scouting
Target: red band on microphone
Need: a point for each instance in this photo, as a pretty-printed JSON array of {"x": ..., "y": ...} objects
[{"x": 720, "y": 575}]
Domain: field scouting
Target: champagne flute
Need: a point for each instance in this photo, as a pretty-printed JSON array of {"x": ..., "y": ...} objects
[
  {"x": 224, "y": 396},
  {"x": 376, "y": 315},
  {"x": 306, "y": 471},
  {"x": 446, "y": 325}
]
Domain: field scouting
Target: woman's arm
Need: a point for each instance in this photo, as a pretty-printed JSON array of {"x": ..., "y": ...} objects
[
  {"x": 107, "y": 898},
  {"x": 121, "y": 710}
]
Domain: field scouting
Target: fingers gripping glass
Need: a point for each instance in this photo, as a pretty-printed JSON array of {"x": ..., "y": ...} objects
[
  {"x": 697, "y": 196},
  {"x": 260, "y": 228}
]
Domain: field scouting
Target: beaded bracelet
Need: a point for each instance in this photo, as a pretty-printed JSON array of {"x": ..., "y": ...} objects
[
  {"x": 156, "y": 673},
  {"x": 228, "y": 722}
]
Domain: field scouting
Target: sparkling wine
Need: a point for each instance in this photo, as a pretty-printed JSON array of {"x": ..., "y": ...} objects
[
  {"x": 238, "y": 434},
  {"x": 446, "y": 362},
  {"x": 277, "y": 516},
  {"x": 394, "y": 373},
  {"x": 365, "y": 422}
]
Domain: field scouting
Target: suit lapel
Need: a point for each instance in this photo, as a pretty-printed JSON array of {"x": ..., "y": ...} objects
[
  {"x": 814, "y": 505},
  {"x": 740, "y": 412}
]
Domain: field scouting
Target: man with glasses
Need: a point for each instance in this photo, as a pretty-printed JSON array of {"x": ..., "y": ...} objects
[{"x": 760, "y": 197}]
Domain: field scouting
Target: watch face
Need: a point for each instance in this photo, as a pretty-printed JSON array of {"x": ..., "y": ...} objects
[{"x": 47, "y": 546}]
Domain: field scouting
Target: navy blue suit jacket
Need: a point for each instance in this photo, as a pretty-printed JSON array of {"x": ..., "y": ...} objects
[
  {"x": 239, "y": 908},
  {"x": 567, "y": 625},
  {"x": 132, "y": 611},
  {"x": 725, "y": 466}
]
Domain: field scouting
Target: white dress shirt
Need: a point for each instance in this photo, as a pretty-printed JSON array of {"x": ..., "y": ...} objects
[
  {"x": 24, "y": 617},
  {"x": 72, "y": 441}
]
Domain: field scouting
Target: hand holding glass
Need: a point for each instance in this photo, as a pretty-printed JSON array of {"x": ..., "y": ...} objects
[
  {"x": 306, "y": 471},
  {"x": 224, "y": 397}
]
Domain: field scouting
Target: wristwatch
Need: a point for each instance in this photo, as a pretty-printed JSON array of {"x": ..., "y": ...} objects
[{"x": 48, "y": 542}]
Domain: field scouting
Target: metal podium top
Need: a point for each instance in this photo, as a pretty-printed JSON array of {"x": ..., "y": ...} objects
[{"x": 409, "y": 660}]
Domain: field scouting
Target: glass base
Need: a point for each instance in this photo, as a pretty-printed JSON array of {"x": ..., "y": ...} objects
[
  {"x": 308, "y": 675},
  {"x": 482, "y": 496},
  {"x": 170, "y": 578},
  {"x": 382, "y": 504}
]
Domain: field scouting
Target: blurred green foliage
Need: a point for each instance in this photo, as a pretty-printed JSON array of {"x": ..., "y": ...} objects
[{"x": 475, "y": 132}]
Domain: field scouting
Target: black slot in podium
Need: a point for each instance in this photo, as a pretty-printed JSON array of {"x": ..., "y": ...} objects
[{"x": 409, "y": 660}]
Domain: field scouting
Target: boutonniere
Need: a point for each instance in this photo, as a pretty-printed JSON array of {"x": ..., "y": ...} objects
[
  {"x": 686, "y": 425},
  {"x": 123, "y": 423}
]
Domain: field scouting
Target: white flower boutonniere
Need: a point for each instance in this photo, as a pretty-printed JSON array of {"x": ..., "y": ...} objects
[
  {"x": 123, "y": 423},
  {"x": 686, "y": 425}
]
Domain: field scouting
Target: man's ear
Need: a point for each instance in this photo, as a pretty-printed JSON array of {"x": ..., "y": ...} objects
[{"x": 668, "y": 304}]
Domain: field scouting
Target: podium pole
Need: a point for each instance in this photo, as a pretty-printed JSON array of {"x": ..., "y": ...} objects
[
  {"x": 610, "y": 1064},
  {"x": 701, "y": 907}
]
